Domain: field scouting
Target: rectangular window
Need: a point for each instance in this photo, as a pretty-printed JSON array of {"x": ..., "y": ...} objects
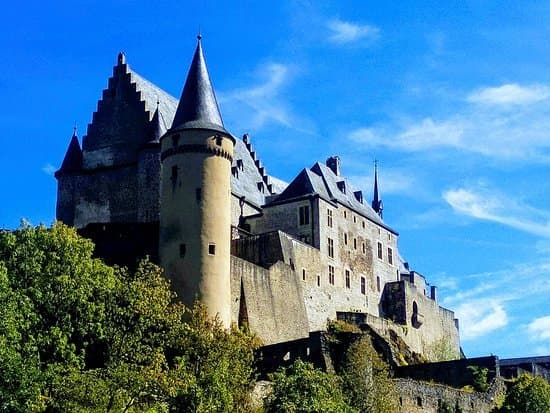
[
  {"x": 354, "y": 219},
  {"x": 303, "y": 274},
  {"x": 182, "y": 250},
  {"x": 378, "y": 284},
  {"x": 390, "y": 256},
  {"x": 331, "y": 274},
  {"x": 345, "y": 239},
  {"x": 380, "y": 250},
  {"x": 329, "y": 218},
  {"x": 198, "y": 194},
  {"x": 331, "y": 248},
  {"x": 364, "y": 248},
  {"x": 304, "y": 215},
  {"x": 318, "y": 281},
  {"x": 355, "y": 243},
  {"x": 212, "y": 249},
  {"x": 345, "y": 214},
  {"x": 363, "y": 224},
  {"x": 363, "y": 286},
  {"x": 348, "y": 279}
]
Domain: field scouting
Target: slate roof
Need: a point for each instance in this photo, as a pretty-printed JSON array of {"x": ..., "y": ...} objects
[
  {"x": 151, "y": 94},
  {"x": 322, "y": 181},
  {"x": 73, "y": 157},
  {"x": 198, "y": 107}
]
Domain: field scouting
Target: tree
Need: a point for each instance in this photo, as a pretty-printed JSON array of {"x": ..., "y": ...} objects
[
  {"x": 528, "y": 394},
  {"x": 367, "y": 383},
  {"x": 303, "y": 389},
  {"x": 78, "y": 335}
]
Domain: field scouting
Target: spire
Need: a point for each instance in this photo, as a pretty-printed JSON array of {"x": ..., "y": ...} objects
[
  {"x": 198, "y": 108},
  {"x": 376, "y": 201},
  {"x": 157, "y": 129},
  {"x": 73, "y": 157}
]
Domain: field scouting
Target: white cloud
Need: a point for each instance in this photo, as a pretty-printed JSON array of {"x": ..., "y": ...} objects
[
  {"x": 480, "y": 317},
  {"x": 483, "y": 204},
  {"x": 342, "y": 32},
  {"x": 510, "y": 94},
  {"x": 518, "y": 135},
  {"x": 262, "y": 103},
  {"x": 49, "y": 169},
  {"x": 539, "y": 328}
]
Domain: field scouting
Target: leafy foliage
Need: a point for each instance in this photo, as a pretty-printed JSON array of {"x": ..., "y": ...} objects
[
  {"x": 480, "y": 378},
  {"x": 367, "y": 383},
  {"x": 303, "y": 389},
  {"x": 528, "y": 394},
  {"x": 78, "y": 335}
]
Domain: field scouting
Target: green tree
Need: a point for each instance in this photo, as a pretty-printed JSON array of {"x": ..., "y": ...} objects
[
  {"x": 303, "y": 389},
  {"x": 528, "y": 394},
  {"x": 78, "y": 335},
  {"x": 367, "y": 383},
  {"x": 479, "y": 378}
]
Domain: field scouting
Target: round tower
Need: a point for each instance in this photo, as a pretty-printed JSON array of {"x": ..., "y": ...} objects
[{"x": 195, "y": 212}]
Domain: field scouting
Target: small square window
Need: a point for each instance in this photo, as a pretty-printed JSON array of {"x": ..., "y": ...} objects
[{"x": 212, "y": 249}]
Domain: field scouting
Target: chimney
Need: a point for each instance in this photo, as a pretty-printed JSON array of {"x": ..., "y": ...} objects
[
  {"x": 433, "y": 292},
  {"x": 334, "y": 164}
]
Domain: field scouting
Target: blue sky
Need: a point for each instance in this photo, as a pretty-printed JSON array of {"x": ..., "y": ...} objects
[{"x": 452, "y": 98}]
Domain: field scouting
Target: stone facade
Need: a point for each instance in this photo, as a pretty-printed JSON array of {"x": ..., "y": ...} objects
[{"x": 301, "y": 252}]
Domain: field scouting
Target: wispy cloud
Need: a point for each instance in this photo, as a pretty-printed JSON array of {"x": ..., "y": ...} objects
[
  {"x": 481, "y": 317},
  {"x": 343, "y": 32},
  {"x": 49, "y": 169},
  {"x": 476, "y": 127},
  {"x": 510, "y": 94},
  {"x": 539, "y": 328},
  {"x": 487, "y": 205},
  {"x": 263, "y": 102}
]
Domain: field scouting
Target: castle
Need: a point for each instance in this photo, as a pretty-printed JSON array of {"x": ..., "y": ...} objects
[{"x": 161, "y": 177}]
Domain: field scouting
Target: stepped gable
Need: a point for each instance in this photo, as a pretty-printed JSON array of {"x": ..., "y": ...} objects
[
  {"x": 120, "y": 126},
  {"x": 73, "y": 157},
  {"x": 198, "y": 107}
]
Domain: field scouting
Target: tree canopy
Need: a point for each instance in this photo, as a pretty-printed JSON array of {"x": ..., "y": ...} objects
[
  {"x": 528, "y": 394},
  {"x": 78, "y": 335}
]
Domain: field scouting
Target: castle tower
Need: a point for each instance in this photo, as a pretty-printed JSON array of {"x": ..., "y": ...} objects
[
  {"x": 376, "y": 199},
  {"x": 195, "y": 216}
]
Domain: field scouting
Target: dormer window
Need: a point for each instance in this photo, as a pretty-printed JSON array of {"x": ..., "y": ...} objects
[
  {"x": 260, "y": 187},
  {"x": 341, "y": 186},
  {"x": 235, "y": 171},
  {"x": 240, "y": 164}
]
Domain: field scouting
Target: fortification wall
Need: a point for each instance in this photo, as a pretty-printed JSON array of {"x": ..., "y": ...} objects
[
  {"x": 423, "y": 397},
  {"x": 269, "y": 300}
]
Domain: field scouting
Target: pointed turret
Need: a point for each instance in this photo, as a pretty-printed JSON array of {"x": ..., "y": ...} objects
[
  {"x": 156, "y": 129},
  {"x": 377, "y": 200},
  {"x": 73, "y": 157},
  {"x": 198, "y": 108}
]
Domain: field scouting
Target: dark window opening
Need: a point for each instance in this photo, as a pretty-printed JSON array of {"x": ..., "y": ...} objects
[
  {"x": 331, "y": 274},
  {"x": 363, "y": 285},
  {"x": 330, "y": 248},
  {"x": 390, "y": 256},
  {"x": 380, "y": 250},
  {"x": 318, "y": 281},
  {"x": 182, "y": 250},
  {"x": 378, "y": 284},
  {"x": 303, "y": 274},
  {"x": 355, "y": 243},
  {"x": 175, "y": 140},
  {"x": 348, "y": 279},
  {"x": 419, "y": 401},
  {"x": 304, "y": 215},
  {"x": 329, "y": 218},
  {"x": 174, "y": 175},
  {"x": 218, "y": 139},
  {"x": 345, "y": 239},
  {"x": 212, "y": 249}
]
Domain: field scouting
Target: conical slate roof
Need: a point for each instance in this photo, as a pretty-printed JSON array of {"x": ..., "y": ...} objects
[
  {"x": 73, "y": 157},
  {"x": 198, "y": 108}
]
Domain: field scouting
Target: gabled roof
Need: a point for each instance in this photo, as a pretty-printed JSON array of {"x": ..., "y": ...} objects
[
  {"x": 322, "y": 181},
  {"x": 198, "y": 107}
]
